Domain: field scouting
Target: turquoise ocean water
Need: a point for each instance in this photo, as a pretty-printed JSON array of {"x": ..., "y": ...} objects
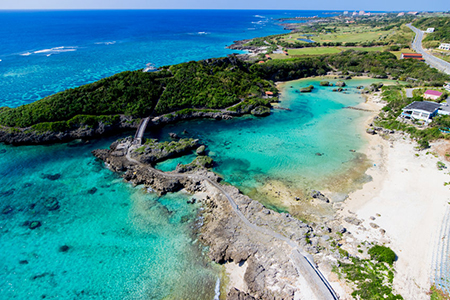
[{"x": 124, "y": 243}]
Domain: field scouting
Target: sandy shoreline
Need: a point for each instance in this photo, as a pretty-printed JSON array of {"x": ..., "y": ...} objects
[
  {"x": 402, "y": 207},
  {"x": 406, "y": 198}
]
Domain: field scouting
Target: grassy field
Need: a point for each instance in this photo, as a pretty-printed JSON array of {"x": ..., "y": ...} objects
[
  {"x": 314, "y": 51},
  {"x": 356, "y": 34},
  {"x": 327, "y": 50},
  {"x": 441, "y": 54}
]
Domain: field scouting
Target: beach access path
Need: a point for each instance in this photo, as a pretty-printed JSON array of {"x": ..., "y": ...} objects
[
  {"x": 430, "y": 59},
  {"x": 315, "y": 279}
]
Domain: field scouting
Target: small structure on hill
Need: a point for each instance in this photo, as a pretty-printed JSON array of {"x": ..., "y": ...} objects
[
  {"x": 444, "y": 46},
  {"x": 269, "y": 94},
  {"x": 432, "y": 95},
  {"x": 412, "y": 55},
  {"x": 430, "y": 30},
  {"x": 268, "y": 56},
  {"x": 421, "y": 110}
]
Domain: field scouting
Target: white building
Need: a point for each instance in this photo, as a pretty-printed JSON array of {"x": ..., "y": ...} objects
[
  {"x": 401, "y": 14},
  {"x": 346, "y": 12},
  {"x": 430, "y": 30},
  {"x": 361, "y": 13},
  {"x": 444, "y": 47},
  {"x": 421, "y": 110}
]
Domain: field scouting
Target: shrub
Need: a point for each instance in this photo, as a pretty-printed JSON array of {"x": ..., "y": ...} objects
[{"x": 382, "y": 254}]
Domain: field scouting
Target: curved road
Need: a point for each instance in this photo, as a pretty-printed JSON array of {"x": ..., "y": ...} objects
[
  {"x": 430, "y": 59},
  {"x": 315, "y": 278}
]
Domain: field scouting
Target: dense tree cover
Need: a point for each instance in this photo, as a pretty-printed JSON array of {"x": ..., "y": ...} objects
[
  {"x": 290, "y": 69},
  {"x": 215, "y": 83},
  {"x": 130, "y": 93},
  {"x": 441, "y": 27}
]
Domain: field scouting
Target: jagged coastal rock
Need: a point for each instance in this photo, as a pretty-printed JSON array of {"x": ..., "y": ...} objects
[{"x": 228, "y": 237}]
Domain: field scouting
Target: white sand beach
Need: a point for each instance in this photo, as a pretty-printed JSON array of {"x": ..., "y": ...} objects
[{"x": 407, "y": 198}]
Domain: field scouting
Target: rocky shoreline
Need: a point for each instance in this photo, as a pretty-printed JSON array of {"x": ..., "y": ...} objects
[
  {"x": 271, "y": 271},
  {"x": 30, "y": 136}
]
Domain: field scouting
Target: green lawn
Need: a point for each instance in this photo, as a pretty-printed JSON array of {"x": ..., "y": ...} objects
[
  {"x": 379, "y": 48},
  {"x": 314, "y": 51},
  {"x": 328, "y": 50},
  {"x": 342, "y": 36}
]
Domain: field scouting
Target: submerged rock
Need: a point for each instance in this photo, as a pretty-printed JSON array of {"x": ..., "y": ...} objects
[
  {"x": 92, "y": 191},
  {"x": 64, "y": 248},
  {"x": 51, "y": 176},
  {"x": 51, "y": 203},
  {"x": 8, "y": 192},
  {"x": 340, "y": 83},
  {"x": 34, "y": 224},
  {"x": 7, "y": 210}
]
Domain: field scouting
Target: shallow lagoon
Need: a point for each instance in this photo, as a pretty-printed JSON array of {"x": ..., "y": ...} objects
[{"x": 309, "y": 147}]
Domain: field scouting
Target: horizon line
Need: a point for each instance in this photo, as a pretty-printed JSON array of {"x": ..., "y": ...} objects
[{"x": 106, "y": 9}]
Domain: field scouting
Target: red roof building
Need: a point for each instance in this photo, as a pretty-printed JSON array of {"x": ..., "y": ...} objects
[
  {"x": 268, "y": 56},
  {"x": 433, "y": 95},
  {"x": 269, "y": 93},
  {"x": 412, "y": 55}
]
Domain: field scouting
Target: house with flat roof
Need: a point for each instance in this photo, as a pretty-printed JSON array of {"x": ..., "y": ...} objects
[
  {"x": 412, "y": 55},
  {"x": 444, "y": 46},
  {"x": 421, "y": 110},
  {"x": 430, "y": 30},
  {"x": 432, "y": 95}
]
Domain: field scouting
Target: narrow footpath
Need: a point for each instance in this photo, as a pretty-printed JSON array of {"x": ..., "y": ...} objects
[{"x": 312, "y": 275}]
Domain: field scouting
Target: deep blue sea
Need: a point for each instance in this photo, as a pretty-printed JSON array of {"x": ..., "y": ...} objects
[
  {"x": 101, "y": 238},
  {"x": 43, "y": 52}
]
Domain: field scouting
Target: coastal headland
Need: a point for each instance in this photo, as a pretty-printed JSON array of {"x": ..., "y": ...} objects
[{"x": 371, "y": 241}]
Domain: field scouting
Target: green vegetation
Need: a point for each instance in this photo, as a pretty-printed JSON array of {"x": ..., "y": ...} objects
[
  {"x": 108, "y": 96},
  {"x": 441, "y": 29},
  {"x": 396, "y": 100},
  {"x": 371, "y": 279},
  {"x": 382, "y": 254},
  {"x": 438, "y": 294}
]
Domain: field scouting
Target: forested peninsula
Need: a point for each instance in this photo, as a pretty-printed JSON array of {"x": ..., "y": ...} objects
[{"x": 217, "y": 88}]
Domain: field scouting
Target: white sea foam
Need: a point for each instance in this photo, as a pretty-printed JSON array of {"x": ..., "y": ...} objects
[
  {"x": 106, "y": 43},
  {"x": 258, "y": 16},
  {"x": 25, "y": 54},
  {"x": 56, "y": 50}
]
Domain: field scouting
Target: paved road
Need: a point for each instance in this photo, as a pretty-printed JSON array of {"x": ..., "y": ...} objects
[
  {"x": 315, "y": 278},
  {"x": 430, "y": 59}
]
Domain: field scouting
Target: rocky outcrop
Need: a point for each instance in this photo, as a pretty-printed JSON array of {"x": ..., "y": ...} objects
[
  {"x": 340, "y": 83},
  {"x": 153, "y": 151},
  {"x": 235, "y": 294},
  {"x": 261, "y": 111},
  {"x": 271, "y": 272}
]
